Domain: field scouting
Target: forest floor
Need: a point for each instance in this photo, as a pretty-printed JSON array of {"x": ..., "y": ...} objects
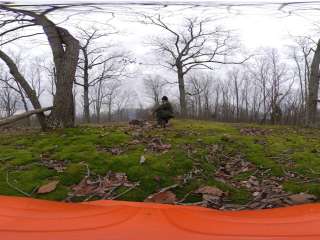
[{"x": 218, "y": 165}]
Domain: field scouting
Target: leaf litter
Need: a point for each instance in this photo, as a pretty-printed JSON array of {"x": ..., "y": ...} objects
[
  {"x": 103, "y": 187},
  {"x": 58, "y": 165},
  {"x": 266, "y": 190}
]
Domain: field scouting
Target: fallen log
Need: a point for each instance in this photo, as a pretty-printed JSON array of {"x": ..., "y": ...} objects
[{"x": 18, "y": 117}]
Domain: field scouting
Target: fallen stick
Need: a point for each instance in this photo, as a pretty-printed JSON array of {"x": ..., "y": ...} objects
[
  {"x": 18, "y": 117},
  {"x": 16, "y": 188},
  {"x": 184, "y": 198},
  {"x": 126, "y": 191},
  {"x": 168, "y": 188}
]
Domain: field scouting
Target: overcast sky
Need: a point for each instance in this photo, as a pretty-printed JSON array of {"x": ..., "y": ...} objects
[{"x": 256, "y": 27}]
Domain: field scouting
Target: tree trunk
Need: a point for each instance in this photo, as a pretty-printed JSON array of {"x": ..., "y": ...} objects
[
  {"x": 86, "y": 103},
  {"x": 313, "y": 88},
  {"x": 66, "y": 65},
  {"x": 237, "y": 97},
  {"x": 109, "y": 111},
  {"x": 25, "y": 104},
  {"x": 182, "y": 93},
  {"x": 98, "y": 115}
]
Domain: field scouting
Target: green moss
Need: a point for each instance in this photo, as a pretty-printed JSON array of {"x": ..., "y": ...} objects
[
  {"x": 294, "y": 187},
  {"x": 73, "y": 174},
  {"x": 256, "y": 154},
  {"x": 285, "y": 147}
]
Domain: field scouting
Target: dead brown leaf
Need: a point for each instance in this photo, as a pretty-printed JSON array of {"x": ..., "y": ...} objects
[{"x": 49, "y": 187}]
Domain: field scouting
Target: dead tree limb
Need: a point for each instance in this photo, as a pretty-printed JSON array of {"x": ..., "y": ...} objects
[{"x": 18, "y": 117}]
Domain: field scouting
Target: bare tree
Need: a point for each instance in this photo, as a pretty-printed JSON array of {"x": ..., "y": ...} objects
[
  {"x": 234, "y": 75},
  {"x": 195, "y": 46},
  {"x": 94, "y": 55},
  {"x": 154, "y": 85},
  {"x": 112, "y": 89},
  {"x": 9, "y": 100},
  {"x": 104, "y": 90},
  {"x": 301, "y": 55},
  {"x": 65, "y": 50},
  {"x": 197, "y": 86},
  {"x": 123, "y": 102}
]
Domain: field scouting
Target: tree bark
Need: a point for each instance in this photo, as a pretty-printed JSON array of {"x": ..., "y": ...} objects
[
  {"x": 66, "y": 64},
  {"x": 313, "y": 88},
  {"x": 25, "y": 104},
  {"x": 86, "y": 103},
  {"x": 182, "y": 93}
]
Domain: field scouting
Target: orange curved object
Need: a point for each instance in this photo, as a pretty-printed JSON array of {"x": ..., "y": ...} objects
[{"x": 30, "y": 219}]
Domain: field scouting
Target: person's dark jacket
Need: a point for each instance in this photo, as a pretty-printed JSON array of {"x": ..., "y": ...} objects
[{"x": 164, "y": 111}]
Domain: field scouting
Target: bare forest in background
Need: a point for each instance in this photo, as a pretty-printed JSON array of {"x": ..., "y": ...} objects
[{"x": 85, "y": 78}]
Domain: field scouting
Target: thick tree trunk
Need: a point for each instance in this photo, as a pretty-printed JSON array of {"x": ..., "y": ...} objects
[
  {"x": 26, "y": 87},
  {"x": 182, "y": 93},
  {"x": 66, "y": 64},
  {"x": 313, "y": 88}
]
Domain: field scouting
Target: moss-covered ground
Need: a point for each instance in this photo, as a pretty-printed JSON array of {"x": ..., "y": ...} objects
[{"x": 282, "y": 150}]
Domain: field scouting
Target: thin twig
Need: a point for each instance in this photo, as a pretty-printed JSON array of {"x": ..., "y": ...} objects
[
  {"x": 184, "y": 198},
  {"x": 193, "y": 204},
  {"x": 126, "y": 191},
  {"x": 89, "y": 197},
  {"x": 34, "y": 189},
  {"x": 168, "y": 188},
  {"x": 16, "y": 188}
]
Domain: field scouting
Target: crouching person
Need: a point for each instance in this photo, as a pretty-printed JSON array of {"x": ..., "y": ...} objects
[{"x": 164, "y": 112}]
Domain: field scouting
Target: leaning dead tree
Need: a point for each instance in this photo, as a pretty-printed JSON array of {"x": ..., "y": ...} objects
[
  {"x": 194, "y": 46},
  {"x": 21, "y": 81},
  {"x": 65, "y": 51},
  {"x": 15, "y": 118}
]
